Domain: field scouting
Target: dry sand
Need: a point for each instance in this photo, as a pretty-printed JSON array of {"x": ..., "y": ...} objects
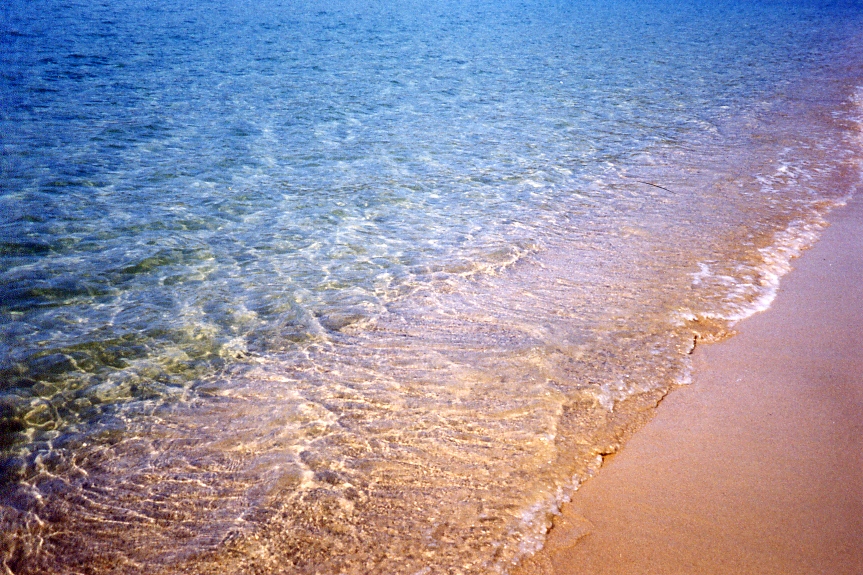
[{"x": 757, "y": 467}]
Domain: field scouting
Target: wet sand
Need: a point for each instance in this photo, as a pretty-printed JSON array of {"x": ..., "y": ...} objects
[{"x": 757, "y": 467}]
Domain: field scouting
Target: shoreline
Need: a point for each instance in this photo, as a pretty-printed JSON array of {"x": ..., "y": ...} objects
[{"x": 757, "y": 466}]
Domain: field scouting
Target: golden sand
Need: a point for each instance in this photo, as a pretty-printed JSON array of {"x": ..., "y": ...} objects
[{"x": 757, "y": 467}]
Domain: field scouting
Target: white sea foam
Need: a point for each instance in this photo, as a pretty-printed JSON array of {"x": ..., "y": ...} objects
[{"x": 788, "y": 244}]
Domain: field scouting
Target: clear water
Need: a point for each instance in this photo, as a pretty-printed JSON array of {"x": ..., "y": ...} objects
[{"x": 358, "y": 288}]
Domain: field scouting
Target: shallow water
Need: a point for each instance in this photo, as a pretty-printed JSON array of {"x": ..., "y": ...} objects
[{"x": 362, "y": 289}]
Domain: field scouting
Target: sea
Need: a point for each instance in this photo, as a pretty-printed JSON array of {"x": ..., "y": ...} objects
[{"x": 354, "y": 287}]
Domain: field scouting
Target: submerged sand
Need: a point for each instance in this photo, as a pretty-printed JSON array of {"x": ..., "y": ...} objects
[{"x": 757, "y": 467}]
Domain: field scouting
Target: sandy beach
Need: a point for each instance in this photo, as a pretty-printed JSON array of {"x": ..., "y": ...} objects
[
  {"x": 757, "y": 467},
  {"x": 356, "y": 288}
]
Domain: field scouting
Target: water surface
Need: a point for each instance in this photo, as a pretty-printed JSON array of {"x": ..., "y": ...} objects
[{"x": 353, "y": 289}]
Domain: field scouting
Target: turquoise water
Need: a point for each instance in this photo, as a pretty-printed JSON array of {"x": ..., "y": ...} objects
[{"x": 278, "y": 279}]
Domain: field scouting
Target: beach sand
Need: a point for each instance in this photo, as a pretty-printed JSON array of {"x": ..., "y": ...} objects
[{"x": 757, "y": 467}]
